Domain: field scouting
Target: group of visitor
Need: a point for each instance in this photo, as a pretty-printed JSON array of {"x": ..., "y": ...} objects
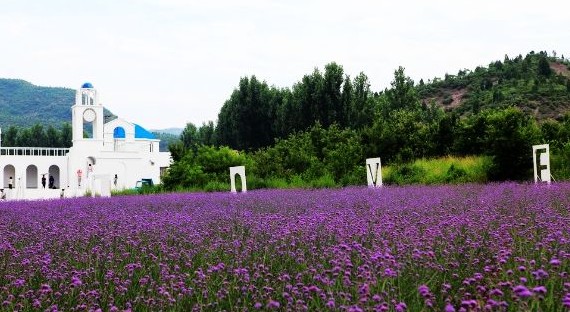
[{"x": 51, "y": 182}]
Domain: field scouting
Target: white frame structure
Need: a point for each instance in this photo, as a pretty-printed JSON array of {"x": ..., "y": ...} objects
[
  {"x": 374, "y": 172},
  {"x": 239, "y": 170},
  {"x": 542, "y": 161}
]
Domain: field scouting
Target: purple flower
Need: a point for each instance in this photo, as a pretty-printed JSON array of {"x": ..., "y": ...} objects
[
  {"x": 272, "y": 304},
  {"x": 424, "y": 291},
  {"x": 45, "y": 289},
  {"x": 522, "y": 292},
  {"x": 76, "y": 282},
  {"x": 19, "y": 282},
  {"x": 539, "y": 290},
  {"x": 496, "y": 292},
  {"x": 449, "y": 308},
  {"x": 401, "y": 307}
]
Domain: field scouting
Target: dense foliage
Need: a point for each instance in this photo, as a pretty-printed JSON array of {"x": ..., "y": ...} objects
[
  {"x": 498, "y": 247},
  {"x": 202, "y": 168},
  {"x": 325, "y": 126},
  {"x": 256, "y": 114}
]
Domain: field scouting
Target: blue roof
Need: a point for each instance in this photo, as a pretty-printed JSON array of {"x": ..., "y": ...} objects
[
  {"x": 142, "y": 133},
  {"x": 87, "y": 85}
]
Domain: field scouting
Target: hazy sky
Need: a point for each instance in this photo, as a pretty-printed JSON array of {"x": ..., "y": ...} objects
[{"x": 163, "y": 63}]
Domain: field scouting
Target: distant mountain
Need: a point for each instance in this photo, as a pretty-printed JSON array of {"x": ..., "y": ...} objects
[
  {"x": 23, "y": 104},
  {"x": 173, "y": 131}
]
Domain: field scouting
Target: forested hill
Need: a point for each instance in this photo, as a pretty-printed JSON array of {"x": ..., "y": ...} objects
[
  {"x": 257, "y": 113},
  {"x": 537, "y": 83},
  {"x": 23, "y": 104}
]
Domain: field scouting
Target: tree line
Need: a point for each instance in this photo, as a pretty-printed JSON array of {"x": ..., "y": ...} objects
[
  {"x": 37, "y": 136},
  {"x": 257, "y": 114},
  {"x": 326, "y": 124}
]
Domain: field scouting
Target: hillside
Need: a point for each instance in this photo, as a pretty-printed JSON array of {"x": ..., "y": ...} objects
[
  {"x": 537, "y": 83},
  {"x": 23, "y": 104}
]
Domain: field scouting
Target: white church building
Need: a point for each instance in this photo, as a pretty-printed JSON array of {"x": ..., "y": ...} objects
[{"x": 115, "y": 156}]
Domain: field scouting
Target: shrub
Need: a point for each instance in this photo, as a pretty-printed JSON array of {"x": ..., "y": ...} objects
[
  {"x": 276, "y": 183},
  {"x": 560, "y": 162},
  {"x": 325, "y": 181},
  {"x": 406, "y": 174},
  {"x": 197, "y": 169},
  {"x": 455, "y": 174},
  {"x": 216, "y": 186}
]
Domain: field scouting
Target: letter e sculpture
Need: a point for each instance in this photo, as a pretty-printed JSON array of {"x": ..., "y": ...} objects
[{"x": 541, "y": 161}]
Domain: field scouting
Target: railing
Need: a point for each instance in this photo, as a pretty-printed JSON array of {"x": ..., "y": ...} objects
[{"x": 33, "y": 151}]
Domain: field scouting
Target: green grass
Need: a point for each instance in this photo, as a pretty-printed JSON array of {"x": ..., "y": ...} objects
[{"x": 470, "y": 169}]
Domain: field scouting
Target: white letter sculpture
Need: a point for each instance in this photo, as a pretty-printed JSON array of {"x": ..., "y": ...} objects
[
  {"x": 542, "y": 167},
  {"x": 241, "y": 171},
  {"x": 374, "y": 172}
]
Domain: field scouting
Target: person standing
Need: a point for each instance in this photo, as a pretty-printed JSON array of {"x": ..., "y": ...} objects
[
  {"x": 51, "y": 182},
  {"x": 10, "y": 183},
  {"x": 115, "y": 180},
  {"x": 79, "y": 174},
  {"x": 44, "y": 181}
]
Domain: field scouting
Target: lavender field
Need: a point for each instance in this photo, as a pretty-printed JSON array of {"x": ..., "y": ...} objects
[{"x": 502, "y": 247}]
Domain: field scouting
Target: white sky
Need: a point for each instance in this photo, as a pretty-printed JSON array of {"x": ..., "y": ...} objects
[{"x": 162, "y": 63}]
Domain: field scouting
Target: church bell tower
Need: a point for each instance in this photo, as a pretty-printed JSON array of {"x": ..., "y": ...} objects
[{"x": 87, "y": 116}]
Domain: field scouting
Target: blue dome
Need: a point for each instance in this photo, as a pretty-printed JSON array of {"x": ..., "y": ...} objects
[
  {"x": 142, "y": 133},
  {"x": 87, "y": 85}
]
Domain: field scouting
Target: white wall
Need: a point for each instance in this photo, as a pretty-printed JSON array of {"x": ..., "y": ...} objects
[{"x": 43, "y": 163}]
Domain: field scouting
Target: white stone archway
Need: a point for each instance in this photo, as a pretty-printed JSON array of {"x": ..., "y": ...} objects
[
  {"x": 9, "y": 171},
  {"x": 31, "y": 176},
  {"x": 54, "y": 172},
  {"x": 240, "y": 170}
]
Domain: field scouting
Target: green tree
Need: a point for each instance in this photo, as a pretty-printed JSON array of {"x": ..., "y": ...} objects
[
  {"x": 446, "y": 133},
  {"x": 544, "y": 67},
  {"x": 206, "y": 134},
  {"x": 361, "y": 110},
  {"x": 25, "y": 138},
  {"x": 189, "y": 136},
  {"x": 10, "y": 137},
  {"x": 52, "y": 137},
  {"x": 346, "y": 103},
  {"x": 246, "y": 121},
  {"x": 37, "y": 136},
  {"x": 510, "y": 136},
  {"x": 402, "y": 95},
  {"x": 552, "y": 133},
  {"x": 177, "y": 150},
  {"x": 332, "y": 110},
  {"x": 66, "y": 135}
]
